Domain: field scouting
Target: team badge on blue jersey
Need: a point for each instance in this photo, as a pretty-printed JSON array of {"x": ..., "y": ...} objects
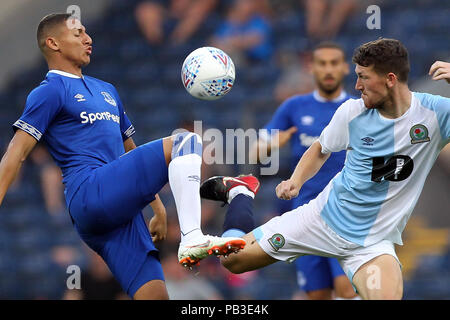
[
  {"x": 277, "y": 241},
  {"x": 419, "y": 134},
  {"x": 109, "y": 98}
]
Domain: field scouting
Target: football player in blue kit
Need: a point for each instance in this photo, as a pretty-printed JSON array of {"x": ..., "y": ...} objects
[
  {"x": 300, "y": 120},
  {"x": 108, "y": 180}
]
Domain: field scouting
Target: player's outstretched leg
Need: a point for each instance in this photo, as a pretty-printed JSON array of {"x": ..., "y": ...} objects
[
  {"x": 184, "y": 180},
  {"x": 239, "y": 193}
]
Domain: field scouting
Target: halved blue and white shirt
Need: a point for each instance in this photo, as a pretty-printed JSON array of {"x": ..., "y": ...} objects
[{"x": 385, "y": 169}]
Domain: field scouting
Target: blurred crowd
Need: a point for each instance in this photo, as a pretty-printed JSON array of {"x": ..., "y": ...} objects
[{"x": 269, "y": 42}]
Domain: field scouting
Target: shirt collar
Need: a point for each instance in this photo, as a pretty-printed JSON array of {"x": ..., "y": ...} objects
[
  {"x": 319, "y": 98},
  {"x": 66, "y": 74}
]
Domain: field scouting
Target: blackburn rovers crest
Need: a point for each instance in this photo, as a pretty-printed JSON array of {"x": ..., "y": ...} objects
[
  {"x": 277, "y": 241},
  {"x": 419, "y": 134}
]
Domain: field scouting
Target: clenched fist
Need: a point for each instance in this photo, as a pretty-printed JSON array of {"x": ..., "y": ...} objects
[{"x": 287, "y": 190}]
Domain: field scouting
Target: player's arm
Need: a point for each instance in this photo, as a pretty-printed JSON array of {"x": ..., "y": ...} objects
[
  {"x": 269, "y": 141},
  {"x": 264, "y": 146},
  {"x": 309, "y": 164},
  {"x": 158, "y": 224},
  {"x": 440, "y": 70},
  {"x": 19, "y": 148},
  {"x": 129, "y": 144},
  {"x": 334, "y": 138}
]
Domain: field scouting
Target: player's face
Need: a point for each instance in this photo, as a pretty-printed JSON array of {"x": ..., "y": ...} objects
[
  {"x": 76, "y": 44},
  {"x": 329, "y": 69},
  {"x": 372, "y": 86}
]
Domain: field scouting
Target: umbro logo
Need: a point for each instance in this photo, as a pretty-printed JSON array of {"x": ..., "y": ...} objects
[
  {"x": 307, "y": 120},
  {"x": 368, "y": 141},
  {"x": 79, "y": 97},
  {"x": 194, "y": 178}
]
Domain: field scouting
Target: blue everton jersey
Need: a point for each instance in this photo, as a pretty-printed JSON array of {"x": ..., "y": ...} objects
[
  {"x": 310, "y": 113},
  {"x": 82, "y": 121}
]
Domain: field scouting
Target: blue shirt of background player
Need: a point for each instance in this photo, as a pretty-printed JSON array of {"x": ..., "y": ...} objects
[
  {"x": 81, "y": 120},
  {"x": 310, "y": 113}
]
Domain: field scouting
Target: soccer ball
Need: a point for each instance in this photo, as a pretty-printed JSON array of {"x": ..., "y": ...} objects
[{"x": 208, "y": 73}]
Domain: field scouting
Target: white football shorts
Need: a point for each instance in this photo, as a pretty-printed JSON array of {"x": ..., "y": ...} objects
[{"x": 303, "y": 232}]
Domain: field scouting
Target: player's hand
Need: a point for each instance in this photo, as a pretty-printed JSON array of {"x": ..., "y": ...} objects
[
  {"x": 158, "y": 227},
  {"x": 284, "y": 136},
  {"x": 287, "y": 190},
  {"x": 158, "y": 224},
  {"x": 440, "y": 70}
]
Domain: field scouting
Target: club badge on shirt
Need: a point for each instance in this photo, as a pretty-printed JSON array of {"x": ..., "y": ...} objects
[
  {"x": 277, "y": 241},
  {"x": 419, "y": 134},
  {"x": 109, "y": 98}
]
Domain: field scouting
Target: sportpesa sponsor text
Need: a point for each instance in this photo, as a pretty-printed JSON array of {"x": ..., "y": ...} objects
[{"x": 92, "y": 117}]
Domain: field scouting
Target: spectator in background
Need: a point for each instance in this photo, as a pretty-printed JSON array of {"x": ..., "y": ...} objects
[
  {"x": 246, "y": 31},
  {"x": 296, "y": 76},
  {"x": 176, "y": 19},
  {"x": 97, "y": 282},
  {"x": 324, "y": 18}
]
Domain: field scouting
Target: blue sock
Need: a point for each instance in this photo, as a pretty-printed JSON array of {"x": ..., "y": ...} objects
[{"x": 239, "y": 217}]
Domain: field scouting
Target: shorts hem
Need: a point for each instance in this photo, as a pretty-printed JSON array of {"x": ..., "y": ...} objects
[{"x": 132, "y": 287}]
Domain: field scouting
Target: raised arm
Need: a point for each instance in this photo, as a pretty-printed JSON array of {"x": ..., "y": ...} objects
[
  {"x": 19, "y": 148},
  {"x": 309, "y": 164}
]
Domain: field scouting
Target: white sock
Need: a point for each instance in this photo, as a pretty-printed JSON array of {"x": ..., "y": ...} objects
[
  {"x": 239, "y": 190},
  {"x": 184, "y": 180}
]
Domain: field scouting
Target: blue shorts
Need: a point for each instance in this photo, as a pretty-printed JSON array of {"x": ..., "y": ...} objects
[
  {"x": 315, "y": 272},
  {"x": 107, "y": 213}
]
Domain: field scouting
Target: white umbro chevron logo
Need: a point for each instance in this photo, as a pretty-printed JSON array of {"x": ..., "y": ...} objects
[
  {"x": 79, "y": 97},
  {"x": 307, "y": 120}
]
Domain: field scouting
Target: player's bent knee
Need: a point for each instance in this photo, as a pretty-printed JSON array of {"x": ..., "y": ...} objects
[
  {"x": 185, "y": 143},
  {"x": 252, "y": 257},
  {"x": 234, "y": 265}
]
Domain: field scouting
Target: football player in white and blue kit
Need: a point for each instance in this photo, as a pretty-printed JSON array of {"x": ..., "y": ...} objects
[
  {"x": 392, "y": 137},
  {"x": 300, "y": 120},
  {"x": 108, "y": 180}
]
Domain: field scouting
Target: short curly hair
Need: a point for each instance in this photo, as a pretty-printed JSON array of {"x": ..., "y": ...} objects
[{"x": 386, "y": 55}]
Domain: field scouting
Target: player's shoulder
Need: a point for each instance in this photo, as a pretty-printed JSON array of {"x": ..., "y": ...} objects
[
  {"x": 50, "y": 87},
  {"x": 352, "y": 106},
  {"x": 298, "y": 100},
  {"x": 97, "y": 80},
  {"x": 433, "y": 101},
  {"x": 104, "y": 84}
]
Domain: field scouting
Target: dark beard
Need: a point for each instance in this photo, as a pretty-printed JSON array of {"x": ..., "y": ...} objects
[{"x": 329, "y": 91}]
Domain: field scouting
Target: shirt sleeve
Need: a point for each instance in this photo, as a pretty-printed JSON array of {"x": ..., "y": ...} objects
[
  {"x": 126, "y": 127},
  {"x": 281, "y": 120},
  {"x": 441, "y": 107},
  {"x": 335, "y": 136},
  {"x": 42, "y": 105},
  {"x": 443, "y": 116}
]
